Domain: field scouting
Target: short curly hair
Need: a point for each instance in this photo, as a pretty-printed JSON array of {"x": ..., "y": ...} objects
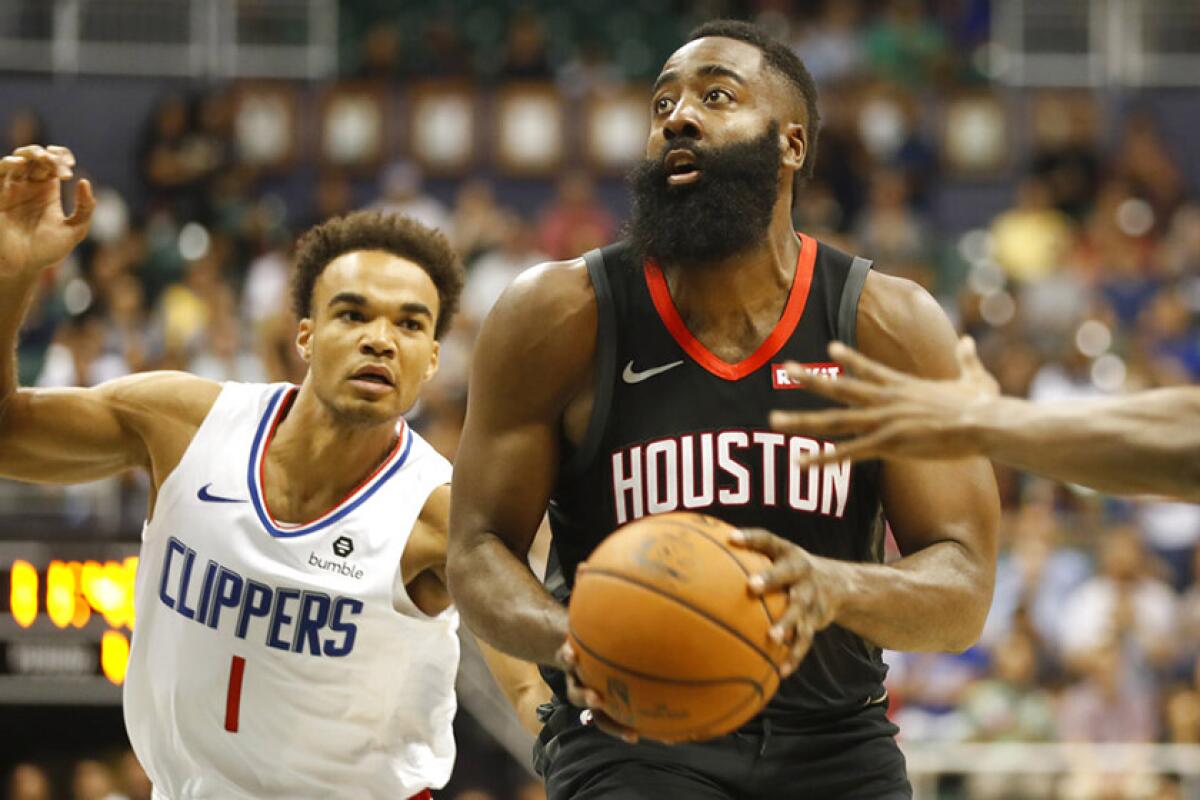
[{"x": 399, "y": 235}]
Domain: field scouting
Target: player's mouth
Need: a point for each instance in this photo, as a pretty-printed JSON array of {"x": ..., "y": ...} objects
[
  {"x": 681, "y": 167},
  {"x": 373, "y": 379}
]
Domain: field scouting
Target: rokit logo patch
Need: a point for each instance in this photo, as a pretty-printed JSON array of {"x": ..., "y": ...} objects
[
  {"x": 826, "y": 369},
  {"x": 342, "y": 546}
]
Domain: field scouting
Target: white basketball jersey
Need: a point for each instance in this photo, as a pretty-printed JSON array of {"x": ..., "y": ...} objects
[{"x": 286, "y": 661}]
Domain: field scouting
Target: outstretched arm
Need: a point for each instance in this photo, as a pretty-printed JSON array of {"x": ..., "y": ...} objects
[
  {"x": 1145, "y": 442},
  {"x": 72, "y": 435},
  {"x": 943, "y": 515}
]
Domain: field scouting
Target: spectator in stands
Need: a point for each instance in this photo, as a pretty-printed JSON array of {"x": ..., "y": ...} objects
[
  {"x": 28, "y": 782},
  {"x": 1031, "y": 240},
  {"x": 494, "y": 271},
  {"x": 525, "y": 53},
  {"x": 92, "y": 780},
  {"x": 1009, "y": 705},
  {"x": 479, "y": 224},
  {"x": 401, "y": 192},
  {"x": 78, "y": 357},
  {"x": 1123, "y": 604},
  {"x": 892, "y": 231},
  {"x": 177, "y": 159},
  {"x": 831, "y": 45},
  {"x": 906, "y": 46},
  {"x": 1105, "y": 706},
  {"x": 576, "y": 221},
  {"x": 134, "y": 782},
  {"x": 25, "y": 127},
  {"x": 1034, "y": 577}
]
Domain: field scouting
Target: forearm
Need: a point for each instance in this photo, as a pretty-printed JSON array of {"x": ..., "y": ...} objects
[
  {"x": 933, "y": 600},
  {"x": 502, "y": 602},
  {"x": 1147, "y": 442},
  {"x": 521, "y": 684}
]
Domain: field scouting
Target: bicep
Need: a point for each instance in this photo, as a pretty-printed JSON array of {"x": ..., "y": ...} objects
[
  {"x": 80, "y": 434},
  {"x": 531, "y": 359},
  {"x": 926, "y": 502},
  {"x": 66, "y": 436}
]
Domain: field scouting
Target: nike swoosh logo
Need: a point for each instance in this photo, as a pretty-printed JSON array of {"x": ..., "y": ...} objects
[
  {"x": 212, "y": 498},
  {"x": 629, "y": 376}
]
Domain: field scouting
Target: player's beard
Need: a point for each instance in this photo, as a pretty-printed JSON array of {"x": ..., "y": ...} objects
[{"x": 725, "y": 212}]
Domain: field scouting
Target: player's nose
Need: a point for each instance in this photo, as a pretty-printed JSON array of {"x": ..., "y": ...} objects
[
  {"x": 377, "y": 341},
  {"x": 684, "y": 120}
]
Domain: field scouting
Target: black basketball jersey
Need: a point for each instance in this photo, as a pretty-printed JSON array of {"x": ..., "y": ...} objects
[{"x": 676, "y": 428}]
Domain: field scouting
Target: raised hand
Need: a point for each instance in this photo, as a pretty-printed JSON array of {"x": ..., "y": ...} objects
[
  {"x": 891, "y": 414},
  {"x": 35, "y": 232}
]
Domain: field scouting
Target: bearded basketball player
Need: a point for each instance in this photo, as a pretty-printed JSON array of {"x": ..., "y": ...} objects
[
  {"x": 294, "y": 636},
  {"x": 638, "y": 380}
]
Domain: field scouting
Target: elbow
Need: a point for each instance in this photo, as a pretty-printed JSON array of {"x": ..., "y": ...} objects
[{"x": 969, "y": 628}]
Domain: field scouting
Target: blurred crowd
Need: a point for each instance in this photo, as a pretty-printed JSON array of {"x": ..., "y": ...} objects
[
  {"x": 119, "y": 776},
  {"x": 1087, "y": 282}
]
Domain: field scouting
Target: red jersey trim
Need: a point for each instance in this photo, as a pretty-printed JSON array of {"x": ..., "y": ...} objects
[{"x": 660, "y": 294}]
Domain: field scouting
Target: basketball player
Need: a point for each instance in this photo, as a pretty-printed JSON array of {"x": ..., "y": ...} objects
[
  {"x": 638, "y": 379},
  {"x": 1142, "y": 443},
  {"x": 294, "y": 636}
]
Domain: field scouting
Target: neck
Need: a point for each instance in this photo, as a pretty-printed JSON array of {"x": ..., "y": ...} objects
[
  {"x": 316, "y": 459},
  {"x": 731, "y": 305}
]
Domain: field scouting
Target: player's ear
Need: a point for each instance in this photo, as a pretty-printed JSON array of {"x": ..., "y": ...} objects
[
  {"x": 304, "y": 340},
  {"x": 795, "y": 145},
  {"x": 432, "y": 369}
]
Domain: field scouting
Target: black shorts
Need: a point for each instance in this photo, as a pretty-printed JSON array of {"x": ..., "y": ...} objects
[{"x": 855, "y": 758}]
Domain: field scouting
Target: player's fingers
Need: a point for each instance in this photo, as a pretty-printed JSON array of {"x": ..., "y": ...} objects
[
  {"x": 783, "y": 628},
  {"x": 832, "y": 422},
  {"x": 846, "y": 390},
  {"x": 85, "y": 204},
  {"x": 13, "y": 168},
  {"x": 32, "y": 152},
  {"x": 862, "y": 366},
  {"x": 785, "y": 573},
  {"x": 761, "y": 540},
  {"x": 63, "y": 154}
]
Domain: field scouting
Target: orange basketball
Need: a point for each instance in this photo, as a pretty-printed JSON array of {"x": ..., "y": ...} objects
[{"x": 666, "y": 629}]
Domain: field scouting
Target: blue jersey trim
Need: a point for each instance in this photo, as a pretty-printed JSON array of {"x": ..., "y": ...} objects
[{"x": 260, "y": 507}]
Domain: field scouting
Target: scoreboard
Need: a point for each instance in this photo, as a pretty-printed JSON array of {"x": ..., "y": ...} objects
[{"x": 66, "y": 616}]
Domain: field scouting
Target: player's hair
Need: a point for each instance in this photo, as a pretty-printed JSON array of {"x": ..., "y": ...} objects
[
  {"x": 779, "y": 57},
  {"x": 376, "y": 230}
]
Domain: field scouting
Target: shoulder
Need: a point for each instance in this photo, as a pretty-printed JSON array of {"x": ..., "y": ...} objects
[
  {"x": 901, "y": 325},
  {"x": 168, "y": 396},
  {"x": 552, "y": 293},
  {"x": 540, "y": 337}
]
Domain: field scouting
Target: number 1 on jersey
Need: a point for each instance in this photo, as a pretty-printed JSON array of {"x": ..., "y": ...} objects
[{"x": 233, "y": 698}]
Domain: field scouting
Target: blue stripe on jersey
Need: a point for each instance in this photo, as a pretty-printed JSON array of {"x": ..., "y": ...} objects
[{"x": 260, "y": 506}]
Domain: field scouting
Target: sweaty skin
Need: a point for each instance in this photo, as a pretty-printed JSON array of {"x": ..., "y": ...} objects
[
  {"x": 531, "y": 394},
  {"x": 147, "y": 420},
  {"x": 1141, "y": 443}
]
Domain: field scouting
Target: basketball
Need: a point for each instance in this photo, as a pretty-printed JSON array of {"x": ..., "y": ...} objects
[{"x": 665, "y": 628}]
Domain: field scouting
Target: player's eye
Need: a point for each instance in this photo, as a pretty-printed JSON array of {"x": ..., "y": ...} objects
[
  {"x": 717, "y": 96},
  {"x": 350, "y": 315},
  {"x": 663, "y": 105},
  {"x": 413, "y": 324}
]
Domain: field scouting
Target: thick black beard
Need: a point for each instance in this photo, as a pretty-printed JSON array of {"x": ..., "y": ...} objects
[{"x": 725, "y": 212}]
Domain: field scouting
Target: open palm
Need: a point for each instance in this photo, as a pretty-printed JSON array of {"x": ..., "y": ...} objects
[{"x": 34, "y": 230}]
